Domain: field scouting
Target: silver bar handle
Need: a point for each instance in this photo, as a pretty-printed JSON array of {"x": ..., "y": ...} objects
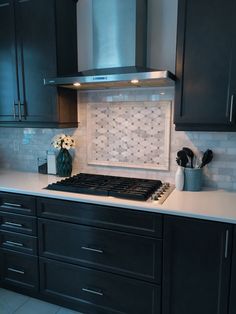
[
  {"x": 87, "y": 248},
  {"x": 13, "y": 243},
  {"x": 97, "y": 292},
  {"x": 14, "y": 110},
  {"x": 19, "y": 109},
  {"x": 226, "y": 243},
  {"x": 231, "y": 109},
  {"x": 11, "y": 204},
  {"x": 13, "y": 224},
  {"x": 16, "y": 271}
]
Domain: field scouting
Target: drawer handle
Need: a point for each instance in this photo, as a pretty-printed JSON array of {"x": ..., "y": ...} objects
[
  {"x": 97, "y": 292},
  {"x": 13, "y": 224},
  {"x": 226, "y": 243},
  {"x": 16, "y": 270},
  {"x": 13, "y": 243},
  {"x": 11, "y": 204},
  {"x": 87, "y": 248},
  {"x": 231, "y": 109}
]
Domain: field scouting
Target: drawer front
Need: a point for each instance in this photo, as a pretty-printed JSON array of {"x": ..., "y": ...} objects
[
  {"x": 18, "y": 223},
  {"x": 18, "y": 270},
  {"x": 18, "y": 242},
  {"x": 132, "y": 255},
  {"x": 93, "y": 291},
  {"x": 17, "y": 203},
  {"x": 127, "y": 220}
]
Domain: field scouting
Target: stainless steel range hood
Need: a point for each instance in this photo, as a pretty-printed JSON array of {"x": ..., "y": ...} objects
[{"x": 112, "y": 36}]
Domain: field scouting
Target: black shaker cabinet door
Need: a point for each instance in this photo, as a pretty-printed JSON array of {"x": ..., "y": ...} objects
[
  {"x": 8, "y": 78},
  {"x": 232, "y": 304},
  {"x": 204, "y": 88},
  {"x": 36, "y": 46},
  {"x": 37, "y": 40},
  {"x": 196, "y": 267}
]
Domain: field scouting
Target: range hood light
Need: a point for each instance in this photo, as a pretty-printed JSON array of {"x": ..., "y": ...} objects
[
  {"x": 134, "y": 81},
  {"x": 162, "y": 93},
  {"x": 77, "y": 84}
]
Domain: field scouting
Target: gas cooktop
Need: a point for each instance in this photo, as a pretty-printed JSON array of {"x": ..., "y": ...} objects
[{"x": 126, "y": 188}]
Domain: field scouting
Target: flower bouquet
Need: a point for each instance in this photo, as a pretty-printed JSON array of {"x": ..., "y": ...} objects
[{"x": 64, "y": 143}]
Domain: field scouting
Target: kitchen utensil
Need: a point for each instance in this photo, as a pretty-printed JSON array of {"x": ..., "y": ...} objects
[
  {"x": 181, "y": 154},
  {"x": 207, "y": 157},
  {"x": 178, "y": 161},
  {"x": 190, "y": 154}
]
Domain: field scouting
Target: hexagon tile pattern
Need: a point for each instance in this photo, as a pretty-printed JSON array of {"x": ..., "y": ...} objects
[{"x": 129, "y": 134}]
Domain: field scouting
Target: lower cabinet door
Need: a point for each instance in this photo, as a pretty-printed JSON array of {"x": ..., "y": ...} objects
[
  {"x": 232, "y": 303},
  {"x": 97, "y": 292},
  {"x": 196, "y": 266},
  {"x": 18, "y": 270}
]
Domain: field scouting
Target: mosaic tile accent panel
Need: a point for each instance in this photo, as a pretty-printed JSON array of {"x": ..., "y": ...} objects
[{"x": 129, "y": 134}]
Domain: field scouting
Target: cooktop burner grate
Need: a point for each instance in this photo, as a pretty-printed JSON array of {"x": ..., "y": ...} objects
[{"x": 127, "y": 188}]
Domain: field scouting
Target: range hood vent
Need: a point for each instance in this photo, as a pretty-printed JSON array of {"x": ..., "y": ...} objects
[{"x": 112, "y": 37}]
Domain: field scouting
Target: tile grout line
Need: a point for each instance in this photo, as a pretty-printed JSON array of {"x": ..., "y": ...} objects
[{"x": 21, "y": 305}]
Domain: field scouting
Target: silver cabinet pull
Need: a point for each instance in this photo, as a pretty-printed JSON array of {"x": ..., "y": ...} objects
[
  {"x": 226, "y": 243},
  {"x": 16, "y": 271},
  {"x": 97, "y": 292},
  {"x": 19, "y": 110},
  {"x": 87, "y": 248},
  {"x": 231, "y": 109},
  {"x": 11, "y": 204},
  {"x": 7, "y": 242},
  {"x": 14, "y": 110},
  {"x": 13, "y": 224}
]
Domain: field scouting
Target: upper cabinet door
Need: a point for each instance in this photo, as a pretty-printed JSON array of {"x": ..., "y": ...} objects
[
  {"x": 36, "y": 44},
  {"x": 37, "y": 40},
  {"x": 204, "y": 65},
  {"x": 8, "y": 74}
]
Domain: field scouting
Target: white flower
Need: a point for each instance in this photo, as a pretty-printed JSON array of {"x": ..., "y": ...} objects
[{"x": 63, "y": 141}]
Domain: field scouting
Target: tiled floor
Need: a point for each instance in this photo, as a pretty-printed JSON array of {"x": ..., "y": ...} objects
[{"x": 11, "y": 302}]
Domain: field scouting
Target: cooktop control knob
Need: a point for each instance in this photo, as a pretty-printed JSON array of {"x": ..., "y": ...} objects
[{"x": 162, "y": 193}]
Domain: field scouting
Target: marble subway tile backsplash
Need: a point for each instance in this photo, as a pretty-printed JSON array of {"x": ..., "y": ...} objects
[{"x": 20, "y": 148}]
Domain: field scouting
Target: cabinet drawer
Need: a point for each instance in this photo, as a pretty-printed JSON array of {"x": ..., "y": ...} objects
[
  {"x": 93, "y": 291},
  {"x": 18, "y": 270},
  {"x": 132, "y": 255},
  {"x": 101, "y": 216},
  {"x": 18, "y": 242},
  {"x": 17, "y": 203},
  {"x": 18, "y": 223}
]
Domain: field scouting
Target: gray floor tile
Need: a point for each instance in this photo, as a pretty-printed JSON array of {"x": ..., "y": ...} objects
[
  {"x": 10, "y": 301},
  {"x": 63, "y": 310},
  {"x": 34, "y": 306},
  {"x": 4, "y": 308}
]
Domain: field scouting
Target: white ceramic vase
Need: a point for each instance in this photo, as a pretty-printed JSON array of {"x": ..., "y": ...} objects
[{"x": 179, "y": 178}]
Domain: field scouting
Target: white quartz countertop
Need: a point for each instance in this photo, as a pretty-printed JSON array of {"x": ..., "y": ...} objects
[{"x": 216, "y": 205}]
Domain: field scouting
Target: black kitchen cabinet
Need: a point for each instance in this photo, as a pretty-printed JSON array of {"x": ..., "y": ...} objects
[
  {"x": 232, "y": 303},
  {"x": 100, "y": 259},
  {"x": 104, "y": 259},
  {"x": 18, "y": 243},
  {"x": 196, "y": 266},
  {"x": 38, "y": 40},
  {"x": 91, "y": 291},
  {"x": 103, "y": 249},
  {"x": 206, "y": 66}
]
